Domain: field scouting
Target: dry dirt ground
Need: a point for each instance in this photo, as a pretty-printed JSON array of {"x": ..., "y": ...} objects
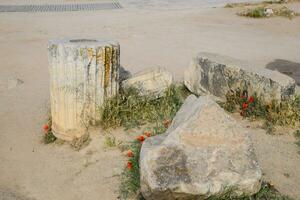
[{"x": 148, "y": 37}]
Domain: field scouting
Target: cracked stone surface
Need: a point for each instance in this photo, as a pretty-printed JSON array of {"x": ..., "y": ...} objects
[
  {"x": 216, "y": 74},
  {"x": 204, "y": 152},
  {"x": 83, "y": 73}
]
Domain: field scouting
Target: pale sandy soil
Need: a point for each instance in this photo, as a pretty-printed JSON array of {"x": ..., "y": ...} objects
[{"x": 148, "y": 38}]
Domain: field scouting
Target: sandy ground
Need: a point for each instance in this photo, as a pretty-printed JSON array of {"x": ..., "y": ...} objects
[{"x": 148, "y": 37}]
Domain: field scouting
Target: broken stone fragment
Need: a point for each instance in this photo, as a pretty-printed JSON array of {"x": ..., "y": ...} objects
[
  {"x": 216, "y": 74},
  {"x": 83, "y": 73},
  {"x": 203, "y": 153},
  {"x": 153, "y": 82}
]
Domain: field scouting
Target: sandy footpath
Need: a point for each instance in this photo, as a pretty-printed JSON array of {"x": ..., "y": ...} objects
[{"x": 167, "y": 38}]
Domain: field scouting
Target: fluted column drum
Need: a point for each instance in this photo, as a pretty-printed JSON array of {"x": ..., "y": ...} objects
[{"x": 83, "y": 73}]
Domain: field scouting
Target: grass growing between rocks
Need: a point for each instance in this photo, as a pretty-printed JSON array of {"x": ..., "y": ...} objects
[
  {"x": 284, "y": 113},
  {"x": 130, "y": 178},
  {"x": 129, "y": 109},
  {"x": 267, "y": 192}
]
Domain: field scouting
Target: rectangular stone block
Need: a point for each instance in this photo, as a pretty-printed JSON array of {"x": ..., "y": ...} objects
[
  {"x": 217, "y": 74},
  {"x": 153, "y": 82}
]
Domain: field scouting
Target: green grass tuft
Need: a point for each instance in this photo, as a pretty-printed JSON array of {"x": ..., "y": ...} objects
[
  {"x": 110, "y": 141},
  {"x": 129, "y": 109},
  {"x": 258, "y": 12},
  {"x": 267, "y": 192},
  {"x": 284, "y": 113},
  {"x": 49, "y": 137},
  {"x": 130, "y": 178}
]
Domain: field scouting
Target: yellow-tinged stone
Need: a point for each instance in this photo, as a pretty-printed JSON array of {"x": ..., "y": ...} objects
[{"x": 82, "y": 75}]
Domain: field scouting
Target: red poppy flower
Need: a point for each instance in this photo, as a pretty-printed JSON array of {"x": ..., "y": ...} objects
[
  {"x": 129, "y": 153},
  {"x": 245, "y": 105},
  {"x": 140, "y": 138},
  {"x": 129, "y": 165},
  {"x": 251, "y": 99},
  {"x": 166, "y": 123},
  {"x": 46, "y": 127},
  {"x": 147, "y": 133}
]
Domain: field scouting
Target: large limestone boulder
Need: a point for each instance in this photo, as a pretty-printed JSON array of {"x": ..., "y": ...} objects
[
  {"x": 216, "y": 74},
  {"x": 153, "y": 82},
  {"x": 204, "y": 152},
  {"x": 83, "y": 73}
]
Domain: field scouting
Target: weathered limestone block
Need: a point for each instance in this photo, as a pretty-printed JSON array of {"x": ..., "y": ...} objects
[
  {"x": 153, "y": 82},
  {"x": 216, "y": 74},
  {"x": 83, "y": 73},
  {"x": 204, "y": 152}
]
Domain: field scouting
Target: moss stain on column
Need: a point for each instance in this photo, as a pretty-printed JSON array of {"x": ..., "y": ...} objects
[{"x": 107, "y": 65}]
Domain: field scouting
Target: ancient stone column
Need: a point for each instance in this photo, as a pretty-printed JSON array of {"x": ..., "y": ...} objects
[{"x": 83, "y": 73}]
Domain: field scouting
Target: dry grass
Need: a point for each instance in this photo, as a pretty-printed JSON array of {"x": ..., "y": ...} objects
[
  {"x": 284, "y": 113},
  {"x": 257, "y": 10},
  {"x": 129, "y": 109},
  {"x": 260, "y": 12}
]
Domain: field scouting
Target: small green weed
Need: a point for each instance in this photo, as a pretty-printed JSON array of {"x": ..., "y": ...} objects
[
  {"x": 258, "y": 12},
  {"x": 49, "y": 137},
  {"x": 110, "y": 141}
]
